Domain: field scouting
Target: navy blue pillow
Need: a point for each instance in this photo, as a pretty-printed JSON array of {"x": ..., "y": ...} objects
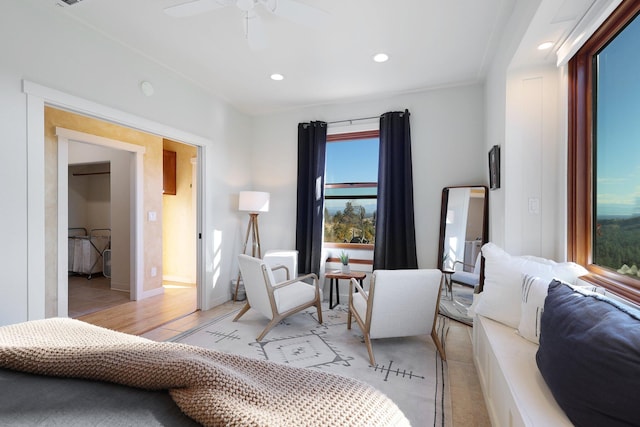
[{"x": 589, "y": 356}]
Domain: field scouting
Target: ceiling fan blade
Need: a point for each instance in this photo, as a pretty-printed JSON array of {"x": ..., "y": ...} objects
[
  {"x": 298, "y": 12},
  {"x": 254, "y": 30},
  {"x": 196, "y": 7}
]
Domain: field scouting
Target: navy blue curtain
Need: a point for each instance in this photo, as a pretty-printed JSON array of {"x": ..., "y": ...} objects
[
  {"x": 395, "y": 245},
  {"x": 312, "y": 143}
]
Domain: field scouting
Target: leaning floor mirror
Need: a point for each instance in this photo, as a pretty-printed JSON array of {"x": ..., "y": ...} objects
[{"x": 463, "y": 231}]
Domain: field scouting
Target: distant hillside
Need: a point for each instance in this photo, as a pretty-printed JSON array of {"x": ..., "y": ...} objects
[{"x": 617, "y": 242}]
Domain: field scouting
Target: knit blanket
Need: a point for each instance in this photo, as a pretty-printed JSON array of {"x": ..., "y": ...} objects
[{"x": 211, "y": 387}]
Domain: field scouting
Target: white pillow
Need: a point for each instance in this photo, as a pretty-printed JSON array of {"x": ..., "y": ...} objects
[
  {"x": 501, "y": 297},
  {"x": 568, "y": 272},
  {"x": 534, "y": 292},
  {"x": 502, "y": 290}
]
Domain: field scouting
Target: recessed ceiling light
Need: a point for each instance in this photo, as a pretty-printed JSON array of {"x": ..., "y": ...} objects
[
  {"x": 277, "y": 77},
  {"x": 147, "y": 88},
  {"x": 381, "y": 57},
  {"x": 545, "y": 45}
]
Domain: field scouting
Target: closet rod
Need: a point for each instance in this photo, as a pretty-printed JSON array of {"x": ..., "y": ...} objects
[{"x": 350, "y": 121}]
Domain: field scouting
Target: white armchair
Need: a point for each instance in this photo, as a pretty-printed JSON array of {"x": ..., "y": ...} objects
[
  {"x": 399, "y": 303},
  {"x": 275, "y": 300}
]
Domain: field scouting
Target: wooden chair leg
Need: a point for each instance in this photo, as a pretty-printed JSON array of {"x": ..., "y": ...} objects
[
  {"x": 319, "y": 307},
  {"x": 271, "y": 324},
  {"x": 367, "y": 340},
  {"x": 242, "y": 311},
  {"x": 438, "y": 344}
]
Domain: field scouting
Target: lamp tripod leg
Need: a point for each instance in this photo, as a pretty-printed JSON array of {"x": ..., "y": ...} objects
[
  {"x": 256, "y": 236},
  {"x": 244, "y": 250}
]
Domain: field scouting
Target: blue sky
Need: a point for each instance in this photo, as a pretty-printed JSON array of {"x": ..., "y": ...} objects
[
  {"x": 352, "y": 161},
  {"x": 618, "y": 125}
]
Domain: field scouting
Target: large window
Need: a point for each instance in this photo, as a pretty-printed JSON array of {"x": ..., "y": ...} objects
[
  {"x": 351, "y": 189},
  {"x": 604, "y": 153}
]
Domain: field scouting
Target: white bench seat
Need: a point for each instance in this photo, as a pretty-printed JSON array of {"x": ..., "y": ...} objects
[{"x": 514, "y": 390}]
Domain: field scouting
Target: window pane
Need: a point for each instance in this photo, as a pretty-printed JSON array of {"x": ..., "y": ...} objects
[
  {"x": 349, "y": 221},
  {"x": 352, "y": 161},
  {"x": 351, "y": 192},
  {"x": 616, "y": 239}
]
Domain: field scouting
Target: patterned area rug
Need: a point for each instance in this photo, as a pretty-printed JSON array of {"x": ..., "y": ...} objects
[
  {"x": 408, "y": 370},
  {"x": 456, "y": 308}
]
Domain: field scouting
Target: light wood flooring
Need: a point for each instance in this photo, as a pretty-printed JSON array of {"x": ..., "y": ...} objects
[
  {"x": 94, "y": 302},
  {"x": 163, "y": 317}
]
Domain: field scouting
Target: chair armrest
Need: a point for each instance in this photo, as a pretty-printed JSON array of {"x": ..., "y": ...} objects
[
  {"x": 354, "y": 283},
  {"x": 464, "y": 264},
  {"x": 298, "y": 279},
  {"x": 279, "y": 267}
]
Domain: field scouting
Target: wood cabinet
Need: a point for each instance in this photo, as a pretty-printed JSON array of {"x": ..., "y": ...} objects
[{"x": 168, "y": 172}]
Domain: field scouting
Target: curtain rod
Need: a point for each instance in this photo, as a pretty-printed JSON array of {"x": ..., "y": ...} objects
[{"x": 350, "y": 121}]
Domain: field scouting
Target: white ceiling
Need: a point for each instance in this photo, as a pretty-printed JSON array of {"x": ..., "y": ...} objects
[{"x": 431, "y": 43}]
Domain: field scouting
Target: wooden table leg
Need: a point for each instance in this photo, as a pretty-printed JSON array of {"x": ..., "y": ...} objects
[
  {"x": 331, "y": 294},
  {"x": 334, "y": 282}
]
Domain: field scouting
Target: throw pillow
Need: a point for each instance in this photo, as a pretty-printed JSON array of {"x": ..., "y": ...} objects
[
  {"x": 534, "y": 292},
  {"x": 589, "y": 356},
  {"x": 568, "y": 272},
  {"x": 500, "y": 299},
  {"x": 502, "y": 294}
]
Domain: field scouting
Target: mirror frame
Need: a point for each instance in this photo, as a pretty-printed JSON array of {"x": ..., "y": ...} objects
[{"x": 485, "y": 226}]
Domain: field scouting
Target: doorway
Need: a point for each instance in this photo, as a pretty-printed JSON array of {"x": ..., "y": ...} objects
[
  {"x": 136, "y": 206},
  {"x": 179, "y": 206},
  {"x": 90, "y": 238},
  {"x": 46, "y": 287}
]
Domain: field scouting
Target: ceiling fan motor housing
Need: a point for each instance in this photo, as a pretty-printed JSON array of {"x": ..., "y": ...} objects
[{"x": 245, "y": 5}]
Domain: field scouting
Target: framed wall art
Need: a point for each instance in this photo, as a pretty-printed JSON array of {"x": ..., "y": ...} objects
[{"x": 494, "y": 167}]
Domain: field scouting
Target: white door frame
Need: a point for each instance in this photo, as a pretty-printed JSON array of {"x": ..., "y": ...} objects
[
  {"x": 38, "y": 97},
  {"x": 136, "y": 271}
]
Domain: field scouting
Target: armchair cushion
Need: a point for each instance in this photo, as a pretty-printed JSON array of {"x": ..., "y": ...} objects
[
  {"x": 276, "y": 300},
  {"x": 399, "y": 303},
  {"x": 466, "y": 278},
  {"x": 403, "y": 302},
  {"x": 292, "y": 295},
  {"x": 360, "y": 304}
]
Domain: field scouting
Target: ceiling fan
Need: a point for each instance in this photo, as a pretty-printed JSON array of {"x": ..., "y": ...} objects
[{"x": 292, "y": 10}]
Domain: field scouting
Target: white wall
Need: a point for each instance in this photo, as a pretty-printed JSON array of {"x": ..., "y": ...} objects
[
  {"x": 447, "y": 133},
  {"x": 524, "y": 117},
  {"x": 533, "y": 173},
  {"x": 44, "y": 46},
  {"x": 496, "y": 108}
]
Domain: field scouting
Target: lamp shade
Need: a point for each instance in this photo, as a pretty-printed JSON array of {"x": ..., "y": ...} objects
[{"x": 253, "y": 201}]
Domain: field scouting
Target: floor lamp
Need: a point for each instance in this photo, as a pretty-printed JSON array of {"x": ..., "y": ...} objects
[{"x": 253, "y": 202}]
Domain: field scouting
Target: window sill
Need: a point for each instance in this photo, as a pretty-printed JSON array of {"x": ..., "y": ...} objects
[
  {"x": 624, "y": 287},
  {"x": 360, "y": 246}
]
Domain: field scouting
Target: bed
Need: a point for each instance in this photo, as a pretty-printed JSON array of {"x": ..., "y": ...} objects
[{"x": 67, "y": 372}]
